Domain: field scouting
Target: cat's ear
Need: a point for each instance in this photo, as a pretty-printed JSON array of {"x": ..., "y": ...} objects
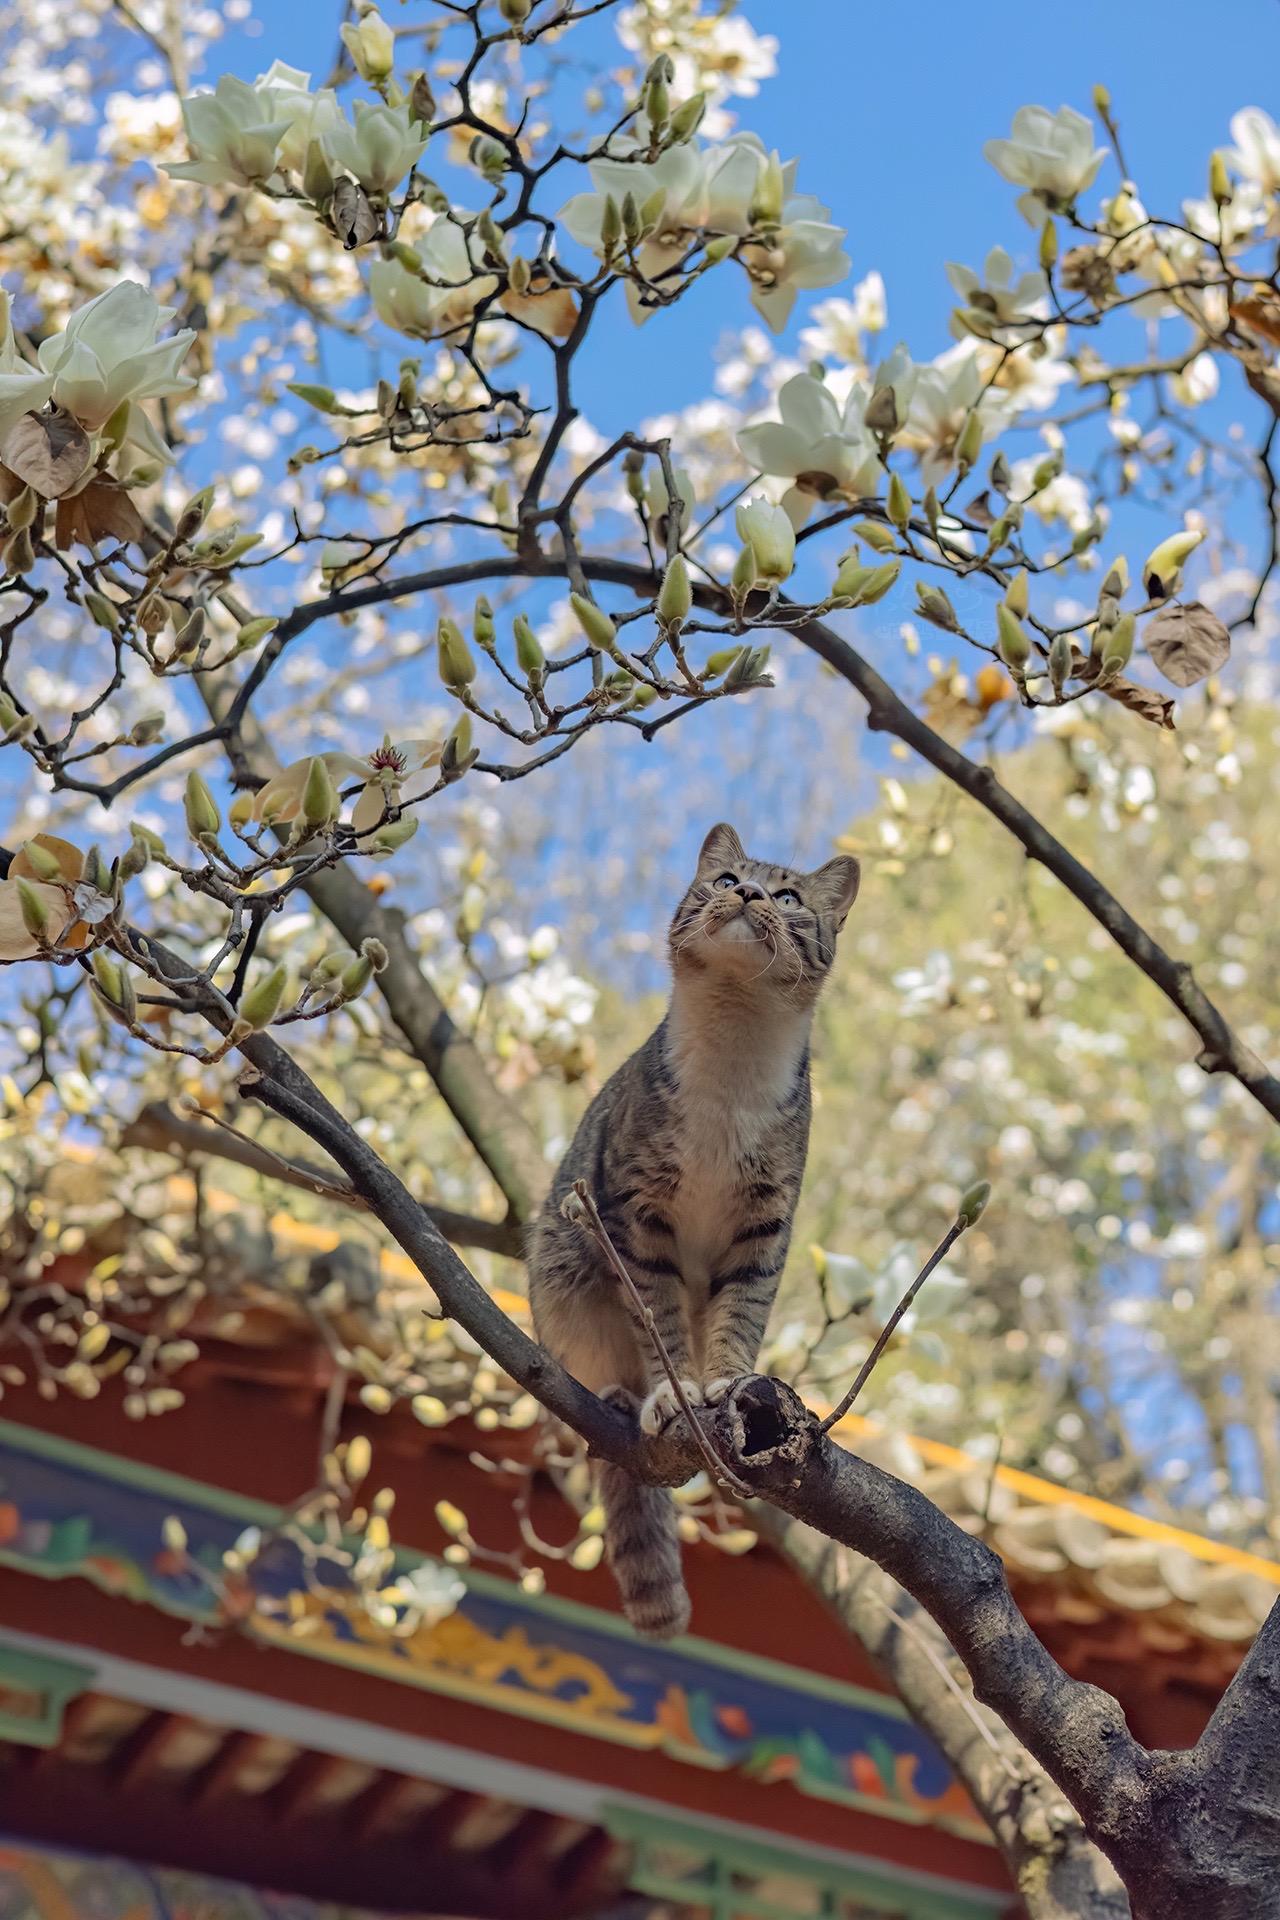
[
  {"x": 835, "y": 886},
  {"x": 721, "y": 848}
]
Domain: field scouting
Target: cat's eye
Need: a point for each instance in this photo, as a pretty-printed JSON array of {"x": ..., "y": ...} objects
[
  {"x": 786, "y": 898},
  {"x": 723, "y": 880}
]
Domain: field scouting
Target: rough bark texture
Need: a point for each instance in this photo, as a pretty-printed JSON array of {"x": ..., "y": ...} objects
[{"x": 1059, "y": 1873}]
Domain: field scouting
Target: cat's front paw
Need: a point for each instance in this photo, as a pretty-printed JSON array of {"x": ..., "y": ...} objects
[
  {"x": 661, "y": 1407},
  {"x": 714, "y": 1391}
]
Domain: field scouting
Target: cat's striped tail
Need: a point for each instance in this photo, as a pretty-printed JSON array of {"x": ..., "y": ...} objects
[{"x": 643, "y": 1549}]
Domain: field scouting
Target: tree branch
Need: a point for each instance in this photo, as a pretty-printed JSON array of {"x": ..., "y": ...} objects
[{"x": 159, "y": 1129}]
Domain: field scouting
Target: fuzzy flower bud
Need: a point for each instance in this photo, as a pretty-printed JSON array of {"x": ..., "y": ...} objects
[
  {"x": 103, "y": 611},
  {"x": 1012, "y": 643},
  {"x": 457, "y": 667},
  {"x": 483, "y": 631},
  {"x": 879, "y": 539},
  {"x": 973, "y": 1203},
  {"x": 1016, "y": 595},
  {"x": 1059, "y": 661},
  {"x": 264, "y": 999},
  {"x": 34, "y": 911},
  {"x": 529, "y": 655},
  {"x": 1116, "y": 646},
  {"x": 935, "y": 607},
  {"x": 676, "y": 596},
  {"x": 201, "y": 808},
  {"x": 595, "y": 623},
  {"x": 321, "y": 802},
  {"x": 863, "y": 586},
  {"x": 898, "y": 504},
  {"x": 114, "y": 984}
]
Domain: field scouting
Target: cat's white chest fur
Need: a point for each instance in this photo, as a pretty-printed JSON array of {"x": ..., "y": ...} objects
[{"x": 732, "y": 1076}]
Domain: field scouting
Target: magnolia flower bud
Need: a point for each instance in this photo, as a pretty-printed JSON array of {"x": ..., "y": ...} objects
[
  {"x": 240, "y": 812},
  {"x": 23, "y": 507},
  {"x": 483, "y": 631},
  {"x": 898, "y": 504},
  {"x": 114, "y": 984},
  {"x": 935, "y": 607},
  {"x": 529, "y": 655},
  {"x": 34, "y": 911},
  {"x": 19, "y": 555},
  {"x": 1016, "y": 595},
  {"x": 610, "y": 228},
  {"x": 719, "y": 248},
  {"x": 747, "y": 669},
  {"x": 657, "y": 104},
  {"x": 1116, "y": 645},
  {"x": 9, "y": 715},
  {"x": 102, "y": 611},
  {"x": 1012, "y": 643},
  {"x": 201, "y": 808},
  {"x": 863, "y": 586},
  {"x": 134, "y": 858},
  {"x": 355, "y": 978},
  {"x": 1059, "y": 661},
  {"x": 372, "y": 46},
  {"x": 519, "y": 275},
  {"x": 458, "y": 753},
  {"x": 595, "y": 623},
  {"x": 422, "y": 102},
  {"x": 515, "y": 12},
  {"x": 152, "y": 614},
  {"x": 457, "y": 667},
  {"x": 771, "y": 537},
  {"x": 254, "y": 630},
  {"x": 146, "y": 731},
  {"x": 720, "y": 662},
  {"x": 973, "y": 1203},
  {"x": 1220, "y": 188},
  {"x": 879, "y": 538},
  {"x": 969, "y": 445},
  {"x": 686, "y": 119},
  {"x": 1163, "y": 565},
  {"x": 394, "y": 835},
  {"x": 489, "y": 156},
  {"x": 1048, "y": 246},
  {"x": 324, "y": 399},
  {"x": 194, "y": 515},
  {"x": 321, "y": 802},
  {"x": 881, "y": 416},
  {"x": 744, "y": 575},
  {"x": 264, "y": 999},
  {"x": 675, "y": 598},
  {"x": 630, "y": 219},
  {"x": 190, "y": 633},
  {"x": 375, "y": 953}
]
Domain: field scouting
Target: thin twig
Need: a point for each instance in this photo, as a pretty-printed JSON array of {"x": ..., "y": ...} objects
[
  {"x": 590, "y": 1218},
  {"x": 943, "y": 1247}
]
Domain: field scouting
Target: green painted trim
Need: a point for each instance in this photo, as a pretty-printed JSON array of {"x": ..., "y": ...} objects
[
  {"x": 251, "y": 1512},
  {"x": 724, "y": 1852},
  {"x": 54, "y": 1683}
]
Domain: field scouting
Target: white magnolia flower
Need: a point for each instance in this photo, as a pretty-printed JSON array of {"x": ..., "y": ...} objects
[
  {"x": 446, "y": 295},
  {"x": 946, "y": 391},
  {"x": 23, "y": 388},
  {"x": 1052, "y": 154},
  {"x": 109, "y": 354},
  {"x": 770, "y": 535},
  {"x": 234, "y": 133},
  {"x": 1065, "y": 498},
  {"x": 1245, "y": 213},
  {"x": 1197, "y": 382},
  {"x": 1031, "y": 375},
  {"x": 839, "y": 325},
  {"x": 380, "y": 149},
  {"x": 711, "y": 191},
  {"x": 308, "y": 116},
  {"x": 1256, "y": 152},
  {"x": 827, "y": 449},
  {"x": 383, "y": 774},
  {"x": 994, "y": 299}
]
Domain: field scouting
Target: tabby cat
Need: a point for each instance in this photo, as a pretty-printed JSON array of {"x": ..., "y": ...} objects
[{"x": 693, "y": 1152}]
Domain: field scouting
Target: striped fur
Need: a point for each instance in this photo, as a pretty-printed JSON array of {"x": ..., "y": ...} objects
[{"x": 694, "y": 1152}]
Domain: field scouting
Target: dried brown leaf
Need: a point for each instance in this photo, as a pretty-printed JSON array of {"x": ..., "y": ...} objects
[
  {"x": 1187, "y": 643},
  {"x": 102, "y": 508},
  {"x": 50, "y": 451},
  {"x": 354, "y": 220}
]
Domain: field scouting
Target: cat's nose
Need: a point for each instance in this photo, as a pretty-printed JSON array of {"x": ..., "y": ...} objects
[{"x": 748, "y": 890}]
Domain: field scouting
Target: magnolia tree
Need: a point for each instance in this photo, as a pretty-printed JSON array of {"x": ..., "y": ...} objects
[{"x": 235, "y": 679}]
